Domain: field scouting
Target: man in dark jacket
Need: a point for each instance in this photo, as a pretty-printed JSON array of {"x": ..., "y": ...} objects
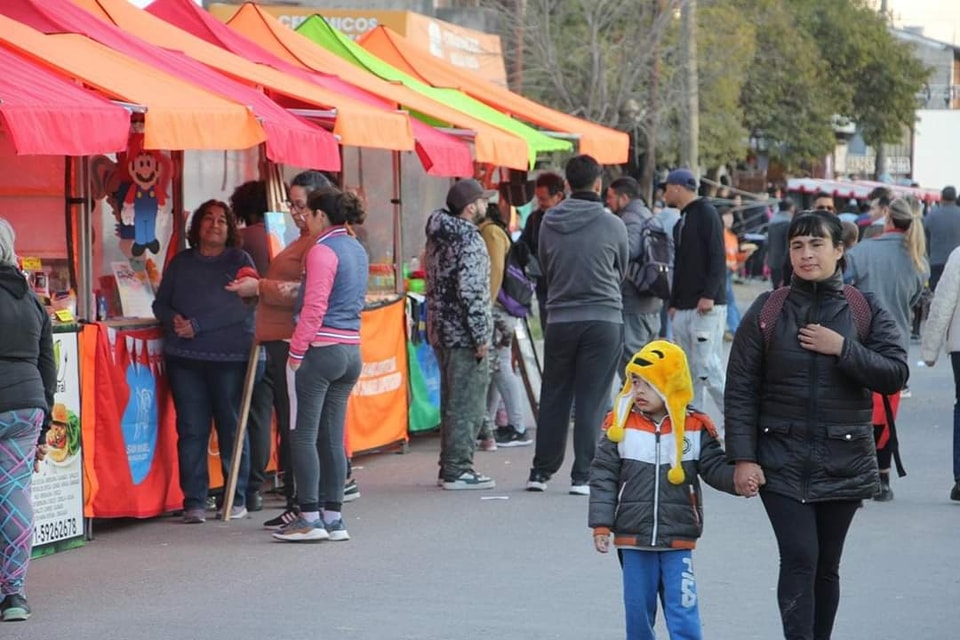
[
  {"x": 698, "y": 300},
  {"x": 943, "y": 233},
  {"x": 459, "y": 327},
  {"x": 777, "y": 241},
  {"x": 641, "y": 313},
  {"x": 583, "y": 256},
  {"x": 549, "y": 192}
]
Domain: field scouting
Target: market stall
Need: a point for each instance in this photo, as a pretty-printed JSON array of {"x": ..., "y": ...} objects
[
  {"x": 130, "y": 413},
  {"x": 43, "y": 119}
]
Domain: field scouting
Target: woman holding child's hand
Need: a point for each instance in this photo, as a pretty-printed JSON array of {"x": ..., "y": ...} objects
[{"x": 798, "y": 415}]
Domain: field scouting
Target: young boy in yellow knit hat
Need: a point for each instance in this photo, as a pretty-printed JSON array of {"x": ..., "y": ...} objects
[{"x": 644, "y": 489}]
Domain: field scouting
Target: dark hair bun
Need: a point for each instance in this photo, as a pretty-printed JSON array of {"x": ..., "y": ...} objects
[{"x": 351, "y": 208}]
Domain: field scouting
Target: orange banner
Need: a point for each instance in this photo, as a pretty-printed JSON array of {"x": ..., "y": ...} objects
[
  {"x": 377, "y": 412},
  {"x": 128, "y": 424}
]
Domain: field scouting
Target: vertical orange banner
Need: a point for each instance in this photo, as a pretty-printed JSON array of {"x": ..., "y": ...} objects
[
  {"x": 128, "y": 423},
  {"x": 377, "y": 413}
]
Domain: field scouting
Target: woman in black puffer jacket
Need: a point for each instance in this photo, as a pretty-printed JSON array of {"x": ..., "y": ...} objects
[
  {"x": 28, "y": 379},
  {"x": 798, "y": 413}
]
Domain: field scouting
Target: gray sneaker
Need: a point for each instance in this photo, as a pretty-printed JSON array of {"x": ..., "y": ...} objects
[
  {"x": 194, "y": 516},
  {"x": 302, "y": 531},
  {"x": 337, "y": 530},
  {"x": 469, "y": 480}
]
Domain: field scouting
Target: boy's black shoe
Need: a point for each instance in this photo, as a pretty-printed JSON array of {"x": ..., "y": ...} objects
[
  {"x": 14, "y": 608},
  {"x": 955, "y": 492}
]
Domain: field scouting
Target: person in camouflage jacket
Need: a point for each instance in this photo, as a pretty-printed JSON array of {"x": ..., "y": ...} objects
[{"x": 459, "y": 328}]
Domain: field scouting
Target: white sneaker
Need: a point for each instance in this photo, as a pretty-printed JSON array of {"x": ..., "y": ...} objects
[
  {"x": 236, "y": 513},
  {"x": 580, "y": 490}
]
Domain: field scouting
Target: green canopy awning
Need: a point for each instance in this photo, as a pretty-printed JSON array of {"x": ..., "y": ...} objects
[{"x": 319, "y": 30}]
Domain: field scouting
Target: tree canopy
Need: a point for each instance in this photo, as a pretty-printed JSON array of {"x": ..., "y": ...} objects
[{"x": 778, "y": 72}]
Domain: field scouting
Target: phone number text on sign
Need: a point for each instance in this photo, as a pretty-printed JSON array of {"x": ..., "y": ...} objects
[{"x": 56, "y": 531}]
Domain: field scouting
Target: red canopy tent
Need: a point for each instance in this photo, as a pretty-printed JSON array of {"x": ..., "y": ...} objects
[
  {"x": 441, "y": 154},
  {"x": 289, "y": 139},
  {"x": 45, "y": 114}
]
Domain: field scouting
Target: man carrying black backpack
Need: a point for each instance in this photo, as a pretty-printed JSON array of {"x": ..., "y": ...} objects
[{"x": 641, "y": 311}]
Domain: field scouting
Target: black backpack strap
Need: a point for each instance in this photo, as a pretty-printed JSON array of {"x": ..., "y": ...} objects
[
  {"x": 894, "y": 442},
  {"x": 863, "y": 318},
  {"x": 770, "y": 313}
]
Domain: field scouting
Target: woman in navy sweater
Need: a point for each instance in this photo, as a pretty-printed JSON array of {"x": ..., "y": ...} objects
[{"x": 209, "y": 332}]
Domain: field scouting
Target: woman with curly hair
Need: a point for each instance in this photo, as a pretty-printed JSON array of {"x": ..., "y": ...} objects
[{"x": 209, "y": 333}]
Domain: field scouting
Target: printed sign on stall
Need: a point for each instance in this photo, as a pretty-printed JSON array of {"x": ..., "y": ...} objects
[{"x": 58, "y": 487}]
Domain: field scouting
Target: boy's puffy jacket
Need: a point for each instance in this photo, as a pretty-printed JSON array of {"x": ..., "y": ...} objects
[{"x": 629, "y": 492}]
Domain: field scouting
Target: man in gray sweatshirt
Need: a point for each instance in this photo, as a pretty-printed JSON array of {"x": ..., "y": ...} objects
[
  {"x": 641, "y": 312},
  {"x": 583, "y": 255}
]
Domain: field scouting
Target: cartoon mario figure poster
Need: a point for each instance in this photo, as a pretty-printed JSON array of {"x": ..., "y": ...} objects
[{"x": 145, "y": 196}]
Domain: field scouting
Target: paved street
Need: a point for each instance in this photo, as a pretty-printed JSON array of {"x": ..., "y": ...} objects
[{"x": 431, "y": 565}]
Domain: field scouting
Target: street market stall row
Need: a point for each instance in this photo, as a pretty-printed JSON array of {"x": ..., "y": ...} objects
[{"x": 141, "y": 119}]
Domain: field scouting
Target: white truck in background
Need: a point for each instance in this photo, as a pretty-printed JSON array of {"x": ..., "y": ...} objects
[{"x": 936, "y": 148}]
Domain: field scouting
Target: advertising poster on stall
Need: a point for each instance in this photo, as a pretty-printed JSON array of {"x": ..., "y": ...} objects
[{"x": 58, "y": 486}]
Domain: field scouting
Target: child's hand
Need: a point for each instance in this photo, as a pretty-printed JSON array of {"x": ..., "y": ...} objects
[{"x": 601, "y": 542}]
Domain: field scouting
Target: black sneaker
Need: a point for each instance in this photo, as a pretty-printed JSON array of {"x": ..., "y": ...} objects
[
  {"x": 282, "y": 520},
  {"x": 955, "y": 492},
  {"x": 254, "y": 501},
  {"x": 14, "y": 608},
  {"x": 351, "y": 490},
  {"x": 508, "y": 436},
  {"x": 885, "y": 494},
  {"x": 537, "y": 481}
]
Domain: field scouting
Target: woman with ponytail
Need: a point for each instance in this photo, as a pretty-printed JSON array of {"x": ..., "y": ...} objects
[
  {"x": 324, "y": 362},
  {"x": 892, "y": 267}
]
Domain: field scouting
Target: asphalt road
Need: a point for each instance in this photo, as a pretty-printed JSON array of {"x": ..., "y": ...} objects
[{"x": 426, "y": 564}]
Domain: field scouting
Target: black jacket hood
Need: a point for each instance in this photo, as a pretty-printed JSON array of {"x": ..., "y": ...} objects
[{"x": 13, "y": 281}]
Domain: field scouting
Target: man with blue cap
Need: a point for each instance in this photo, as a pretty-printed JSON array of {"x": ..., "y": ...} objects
[{"x": 698, "y": 299}]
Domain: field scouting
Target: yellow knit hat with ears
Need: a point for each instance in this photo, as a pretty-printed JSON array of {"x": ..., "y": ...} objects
[{"x": 664, "y": 366}]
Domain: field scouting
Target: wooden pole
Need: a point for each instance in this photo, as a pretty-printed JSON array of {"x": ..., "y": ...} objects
[
  {"x": 275, "y": 197},
  {"x": 231, "y": 486}
]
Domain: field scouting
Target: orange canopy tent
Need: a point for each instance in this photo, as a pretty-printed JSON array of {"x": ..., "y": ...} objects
[
  {"x": 179, "y": 115},
  {"x": 441, "y": 154},
  {"x": 491, "y": 145},
  {"x": 289, "y": 139},
  {"x": 357, "y": 124},
  {"x": 608, "y": 146},
  {"x": 46, "y": 114}
]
